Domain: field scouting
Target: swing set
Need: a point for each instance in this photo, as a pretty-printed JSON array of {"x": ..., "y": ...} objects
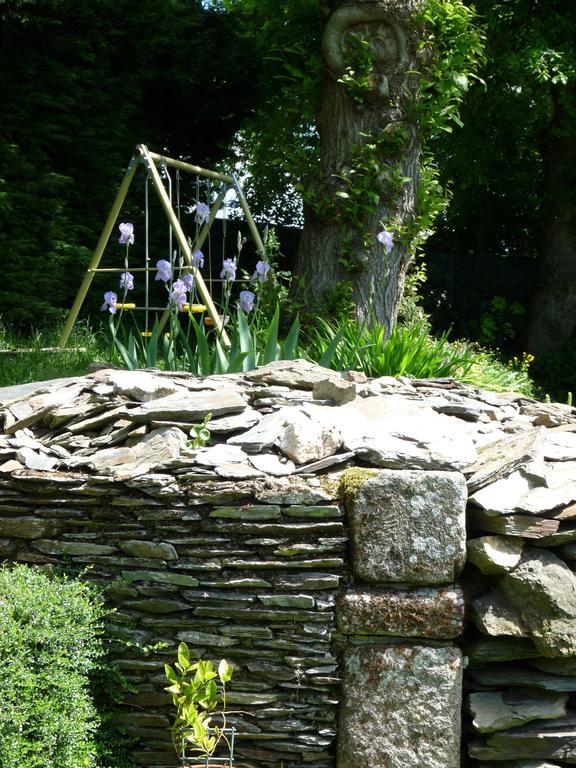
[{"x": 216, "y": 188}]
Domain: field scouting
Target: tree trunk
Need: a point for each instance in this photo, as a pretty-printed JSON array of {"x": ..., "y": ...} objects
[
  {"x": 369, "y": 155},
  {"x": 553, "y": 310}
]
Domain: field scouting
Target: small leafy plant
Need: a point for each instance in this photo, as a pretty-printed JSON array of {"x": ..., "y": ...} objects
[
  {"x": 199, "y": 695},
  {"x": 200, "y": 434}
]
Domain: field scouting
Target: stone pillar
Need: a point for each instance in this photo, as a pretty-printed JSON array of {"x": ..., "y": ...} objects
[{"x": 401, "y": 672}]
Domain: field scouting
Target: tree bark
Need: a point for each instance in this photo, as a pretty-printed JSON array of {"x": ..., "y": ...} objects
[
  {"x": 553, "y": 311},
  {"x": 339, "y": 241}
]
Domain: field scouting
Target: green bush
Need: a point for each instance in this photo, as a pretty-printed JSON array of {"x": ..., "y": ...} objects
[{"x": 49, "y": 645}]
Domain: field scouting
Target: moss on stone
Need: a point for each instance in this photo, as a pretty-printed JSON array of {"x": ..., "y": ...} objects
[{"x": 351, "y": 482}]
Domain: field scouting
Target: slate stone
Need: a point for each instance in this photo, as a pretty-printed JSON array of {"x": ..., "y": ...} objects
[
  {"x": 556, "y": 666},
  {"x": 162, "y": 577},
  {"x": 499, "y": 710},
  {"x": 514, "y": 676},
  {"x": 402, "y": 437},
  {"x": 36, "y": 460},
  {"x": 24, "y": 527},
  {"x": 248, "y": 512},
  {"x": 296, "y": 374},
  {"x": 400, "y": 707},
  {"x": 241, "y": 421},
  {"x": 546, "y": 739},
  {"x": 407, "y": 526},
  {"x": 494, "y": 554},
  {"x": 501, "y": 458},
  {"x": 149, "y": 549},
  {"x": 430, "y": 613},
  {"x": 206, "y": 638},
  {"x": 190, "y": 407},
  {"x": 520, "y": 764},
  {"x": 335, "y": 388},
  {"x": 73, "y": 548},
  {"x": 237, "y": 471},
  {"x": 304, "y": 439},
  {"x": 140, "y": 386},
  {"x": 150, "y": 451},
  {"x": 157, "y": 605},
  {"x": 543, "y": 590},
  {"x": 271, "y": 464},
  {"x": 524, "y": 526},
  {"x": 266, "y": 433},
  {"x": 494, "y": 615},
  {"x": 219, "y": 454},
  {"x": 504, "y": 496},
  {"x": 482, "y": 650}
]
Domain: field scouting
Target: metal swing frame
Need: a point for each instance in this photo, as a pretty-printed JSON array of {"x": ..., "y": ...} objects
[{"x": 152, "y": 161}]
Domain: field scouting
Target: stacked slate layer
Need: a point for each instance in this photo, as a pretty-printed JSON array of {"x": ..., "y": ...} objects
[
  {"x": 243, "y": 547},
  {"x": 522, "y": 587}
]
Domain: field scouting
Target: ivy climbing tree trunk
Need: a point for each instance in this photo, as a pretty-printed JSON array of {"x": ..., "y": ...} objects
[{"x": 368, "y": 168}]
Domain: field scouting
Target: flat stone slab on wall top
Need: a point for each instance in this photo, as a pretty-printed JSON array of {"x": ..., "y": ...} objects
[
  {"x": 400, "y": 707},
  {"x": 406, "y": 526}
]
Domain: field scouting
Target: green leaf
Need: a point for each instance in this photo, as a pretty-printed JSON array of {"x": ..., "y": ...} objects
[
  {"x": 326, "y": 358},
  {"x": 170, "y": 674},
  {"x": 202, "y": 348},
  {"x": 183, "y": 656},
  {"x": 290, "y": 344},
  {"x": 271, "y": 348},
  {"x": 225, "y": 671},
  {"x": 247, "y": 345}
]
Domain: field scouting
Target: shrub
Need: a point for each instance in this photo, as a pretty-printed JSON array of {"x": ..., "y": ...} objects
[{"x": 49, "y": 644}]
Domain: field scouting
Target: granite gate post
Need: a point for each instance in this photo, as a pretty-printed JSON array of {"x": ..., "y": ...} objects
[{"x": 401, "y": 672}]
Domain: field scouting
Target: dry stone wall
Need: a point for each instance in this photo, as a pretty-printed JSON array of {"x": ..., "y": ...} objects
[
  {"x": 522, "y": 585},
  {"x": 316, "y": 542}
]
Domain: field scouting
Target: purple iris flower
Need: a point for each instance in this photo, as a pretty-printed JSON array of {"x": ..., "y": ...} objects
[
  {"x": 126, "y": 233},
  {"x": 126, "y": 281},
  {"x": 202, "y": 213},
  {"x": 247, "y": 301},
  {"x": 198, "y": 259},
  {"x": 228, "y": 270},
  {"x": 178, "y": 294},
  {"x": 110, "y": 300},
  {"x": 164, "y": 270},
  {"x": 262, "y": 269},
  {"x": 387, "y": 240},
  {"x": 188, "y": 280}
]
